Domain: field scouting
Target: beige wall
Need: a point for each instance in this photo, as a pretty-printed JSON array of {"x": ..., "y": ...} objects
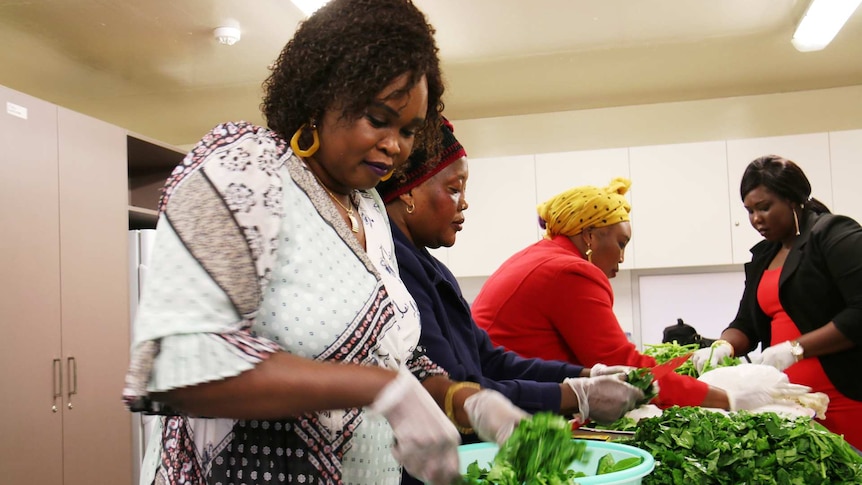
[{"x": 656, "y": 124}]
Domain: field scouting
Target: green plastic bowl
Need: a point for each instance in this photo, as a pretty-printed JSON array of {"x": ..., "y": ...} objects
[{"x": 484, "y": 453}]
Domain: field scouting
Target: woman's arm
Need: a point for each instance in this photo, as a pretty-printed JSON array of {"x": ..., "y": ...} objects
[
  {"x": 825, "y": 340},
  {"x": 583, "y": 314},
  {"x": 737, "y": 339},
  {"x": 283, "y": 385}
]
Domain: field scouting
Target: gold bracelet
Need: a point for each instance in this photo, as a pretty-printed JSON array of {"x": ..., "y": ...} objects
[
  {"x": 722, "y": 341},
  {"x": 449, "y": 407}
]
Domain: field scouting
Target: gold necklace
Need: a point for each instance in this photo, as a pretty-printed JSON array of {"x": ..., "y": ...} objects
[{"x": 354, "y": 223}]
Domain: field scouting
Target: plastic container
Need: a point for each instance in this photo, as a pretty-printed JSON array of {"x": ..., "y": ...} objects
[{"x": 484, "y": 453}]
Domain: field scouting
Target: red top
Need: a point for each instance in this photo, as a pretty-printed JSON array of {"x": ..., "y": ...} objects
[
  {"x": 547, "y": 301},
  {"x": 842, "y": 413}
]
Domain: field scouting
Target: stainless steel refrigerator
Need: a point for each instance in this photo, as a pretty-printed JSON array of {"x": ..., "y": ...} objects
[{"x": 140, "y": 243}]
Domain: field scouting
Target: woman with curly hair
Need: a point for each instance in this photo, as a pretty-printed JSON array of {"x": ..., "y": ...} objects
[{"x": 273, "y": 334}]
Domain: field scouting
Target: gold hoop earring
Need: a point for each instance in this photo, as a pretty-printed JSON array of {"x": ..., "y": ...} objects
[
  {"x": 294, "y": 141},
  {"x": 387, "y": 176},
  {"x": 410, "y": 208},
  {"x": 589, "y": 254}
]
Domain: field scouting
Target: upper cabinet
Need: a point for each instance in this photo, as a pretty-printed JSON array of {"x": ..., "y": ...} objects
[
  {"x": 686, "y": 208},
  {"x": 501, "y": 217},
  {"x": 150, "y": 164},
  {"x": 810, "y": 152},
  {"x": 679, "y": 202},
  {"x": 845, "y": 148},
  {"x": 557, "y": 172}
]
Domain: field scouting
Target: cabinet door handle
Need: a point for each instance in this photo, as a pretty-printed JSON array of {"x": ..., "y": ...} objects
[
  {"x": 72, "y": 370},
  {"x": 56, "y": 383}
]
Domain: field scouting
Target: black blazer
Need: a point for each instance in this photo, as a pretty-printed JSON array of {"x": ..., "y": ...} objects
[{"x": 821, "y": 282}]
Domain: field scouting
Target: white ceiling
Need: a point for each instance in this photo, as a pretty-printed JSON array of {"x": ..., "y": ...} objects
[{"x": 153, "y": 66}]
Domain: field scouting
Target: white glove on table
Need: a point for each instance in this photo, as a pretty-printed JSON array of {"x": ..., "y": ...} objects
[
  {"x": 609, "y": 370},
  {"x": 751, "y": 386},
  {"x": 779, "y": 356},
  {"x": 604, "y": 399},
  {"x": 492, "y": 416},
  {"x": 712, "y": 355},
  {"x": 426, "y": 442}
]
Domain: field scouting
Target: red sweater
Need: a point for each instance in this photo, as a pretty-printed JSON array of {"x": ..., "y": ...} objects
[{"x": 547, "y": 301}]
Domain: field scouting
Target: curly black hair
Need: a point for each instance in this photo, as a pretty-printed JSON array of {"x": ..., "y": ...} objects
[{"x": 344, "y": 55}]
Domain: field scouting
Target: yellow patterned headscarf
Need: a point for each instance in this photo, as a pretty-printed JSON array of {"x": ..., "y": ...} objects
[{"x": 572, "y": 211}]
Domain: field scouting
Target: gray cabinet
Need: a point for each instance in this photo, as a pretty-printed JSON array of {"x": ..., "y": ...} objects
[{"x": 64, "y": 295}]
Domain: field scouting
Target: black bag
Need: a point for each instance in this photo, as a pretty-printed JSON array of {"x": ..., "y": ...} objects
[{"x": 684, "y": 334}]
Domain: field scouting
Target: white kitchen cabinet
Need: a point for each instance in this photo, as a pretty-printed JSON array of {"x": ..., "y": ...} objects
[
  {"x": 845, "y": 148},
  {"x": 64, "y": 295},
  {"x": 557, "y": 172},
  {"x": 501, "y": 218},
  {"x": 679, "y": 198},
  {"x": 809, "y": 151}
]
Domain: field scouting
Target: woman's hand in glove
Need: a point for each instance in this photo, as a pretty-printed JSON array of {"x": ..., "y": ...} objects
[
  {"x": 492, "y": 416},
  {"x": 604, "y": 399},
  {"x": 711, "y": 355},
  {"x": 609, "y": 370},
  {"x": 426, "y": 442},
  {"x": 779, "y": 356}
]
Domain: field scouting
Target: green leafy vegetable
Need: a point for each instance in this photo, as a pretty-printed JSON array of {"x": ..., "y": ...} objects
[
  {"x": 692, "y": 445},
  {"x": 607, "y": 464},
  {"x": 667, "y": 351},
  {"x": 540, "y": 451},
  {"x": 623, "y": 424},
  {"x": 642, "y": 379}
]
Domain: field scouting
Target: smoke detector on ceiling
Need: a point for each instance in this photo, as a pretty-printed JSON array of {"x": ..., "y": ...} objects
[{"x": 227, "y": 35}]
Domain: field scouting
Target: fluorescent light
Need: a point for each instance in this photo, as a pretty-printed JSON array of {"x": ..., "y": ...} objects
[
  {"x": 308, "y": 7},
  {"x": 821, "y": 22}
]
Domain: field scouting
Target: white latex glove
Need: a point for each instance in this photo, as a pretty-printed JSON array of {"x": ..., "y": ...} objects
[
  {"x": 778, "y": 356},
  {"x": 609, "y": 370},
  {"x": 604, "y": 399},
  {"x": 712, "y": 354},
  {"x": 492, "y": 415},
  {"x": 426, "y": 442}
]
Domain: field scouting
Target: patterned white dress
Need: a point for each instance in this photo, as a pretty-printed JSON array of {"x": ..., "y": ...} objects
[{"x": 252, "y": 257}]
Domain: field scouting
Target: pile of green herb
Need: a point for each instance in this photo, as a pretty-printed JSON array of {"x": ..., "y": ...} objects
[
  {"x": 692, "y": 445},
  {"x": 539, "y": 452},
  {"x": 667, "y": 351}
]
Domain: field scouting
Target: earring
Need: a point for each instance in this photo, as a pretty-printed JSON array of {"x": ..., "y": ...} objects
[
  {"x": 294, "y": 141},
  {"x": 411, "y": 208},
  {"x": 796, "y": 221},
  {"x": 589, "y": 254},
  {"x": 387, "y": 176}
]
